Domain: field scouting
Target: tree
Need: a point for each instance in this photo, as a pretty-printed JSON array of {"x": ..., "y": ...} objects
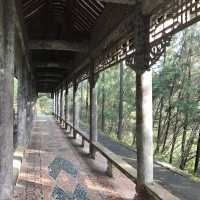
[
  {"x": 120, "y": 109},
  {"x": 196, "y": 166},
  {"x": 103, "y": 103}
]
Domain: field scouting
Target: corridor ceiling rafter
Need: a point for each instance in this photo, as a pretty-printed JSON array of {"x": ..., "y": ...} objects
[{"x": 75, "y": 21}]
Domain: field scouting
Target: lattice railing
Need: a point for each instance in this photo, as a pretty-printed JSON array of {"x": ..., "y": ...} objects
[
  {"x": 172, "y": 17},
  {"x": 115, "y": 55}
]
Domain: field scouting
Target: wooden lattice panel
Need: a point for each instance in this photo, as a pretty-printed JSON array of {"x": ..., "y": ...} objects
[
  {"x": 173, "y": 17},
  {"x": 115, "y": 55}
]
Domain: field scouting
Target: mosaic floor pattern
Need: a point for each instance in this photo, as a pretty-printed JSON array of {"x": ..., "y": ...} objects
[{"x": 55, "y": 167}]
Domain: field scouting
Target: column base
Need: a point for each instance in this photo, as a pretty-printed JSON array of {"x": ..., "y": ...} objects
[
  {"x": 142, "y": 193},
  {"x": 109, "y": 170},
  {"x": 83, "y": 142},
  {"x": 92, "y": 152}
]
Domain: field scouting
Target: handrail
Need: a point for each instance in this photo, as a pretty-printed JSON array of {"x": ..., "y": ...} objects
[{"x": 156, "y": 191}]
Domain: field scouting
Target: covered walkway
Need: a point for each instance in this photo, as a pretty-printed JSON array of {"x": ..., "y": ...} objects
[
  {"x": 51, "y": 46},
  {"x": 87, "y": 177}
]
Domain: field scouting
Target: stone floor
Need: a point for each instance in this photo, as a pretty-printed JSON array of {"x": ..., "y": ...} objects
[{"x": 56, "y": 167}]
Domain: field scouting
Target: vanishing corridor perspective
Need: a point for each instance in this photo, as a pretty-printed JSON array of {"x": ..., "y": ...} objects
[
  {"x": 51, "y": 46},
  {"x": 43, "y": 176}
]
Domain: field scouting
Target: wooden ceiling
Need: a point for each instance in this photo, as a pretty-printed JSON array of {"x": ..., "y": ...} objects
[
  {"x": 62, "y": 34},
  {"x": 58, "y": 31},
  {"x": 59, "y": 19}
]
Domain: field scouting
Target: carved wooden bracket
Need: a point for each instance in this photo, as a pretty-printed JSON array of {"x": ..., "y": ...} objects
[
  {"x": 93, "y": 77},
  {"x": 75, "y": 84},
  {"x": 146, "y": 54},
  {"x": 157, "y": 49},
  {"x": 139, "y": 59}
]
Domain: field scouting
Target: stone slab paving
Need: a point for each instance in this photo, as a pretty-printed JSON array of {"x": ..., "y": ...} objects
[
  {"x": 55, "y": 167},
  {"x": 181, "y": 186}
]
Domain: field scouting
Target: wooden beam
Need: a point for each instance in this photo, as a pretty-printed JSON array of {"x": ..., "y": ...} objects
[
  {"x": 147, "y": 5},
  {"x": 51, "y": 71},
  {"x": 150, "y": 5},
  {"x": 58, "y": 45},
  {"x": 20, "y": 29},
  {"x": 34, "y": 11},
  {"x": 124, "y": 28},
  {"x": 51, "y": 65},
  {"x": 127, "y": 2},
  {"x": 45, "y": 90},
  {"x": 121, "y": 29},
  {"x": 46, "y": 81},
  {"x": 48, "y": 74}
]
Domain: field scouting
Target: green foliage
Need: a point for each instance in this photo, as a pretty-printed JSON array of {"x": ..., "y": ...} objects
[
  {"x": 44, "y": 104},
  {"x": 175, "y": 82}
]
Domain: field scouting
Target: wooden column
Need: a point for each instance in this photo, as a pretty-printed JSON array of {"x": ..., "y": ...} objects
[
  {"x": 57, "y": 104},
  {"x": 75, "y": 108},
  {"x": 54, "y": 102},
  {"x": 66, "y": 106},
  {"x": 31, "y": 108},
  {"x": 21, "y": 135},
  {"x": 34, "y": 99},
  {"x": 144, "y": 127},
  {"x": 55, "y": 108},
  {"x": 93, "y": 110},
  {"x": 61, "y": 104},
  {"x": 7, "y": 35},
  {"x": 28, "y": 89},
  {"x": 144, "y": 116}
]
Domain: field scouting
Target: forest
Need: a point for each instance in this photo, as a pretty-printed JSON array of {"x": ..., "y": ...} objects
[{"x": 176, "y": 103}]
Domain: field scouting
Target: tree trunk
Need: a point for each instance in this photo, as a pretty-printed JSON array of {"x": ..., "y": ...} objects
[
  {"x": 134, "y": 135},
  {"x": 196, "y": 167},
  {"x": 175, "y": 132},
  {"x": 103, "y": 104},
  {"x": 183, "y": 146},
  {"x": 159, "y": 126},
  {"x": 169, "y": 115},
  {"x": 120, "y": 125},
  {"x": 81, "y": 110},
  {"x": 86, "y": 103},
  {"x": 188, "y": 149}
]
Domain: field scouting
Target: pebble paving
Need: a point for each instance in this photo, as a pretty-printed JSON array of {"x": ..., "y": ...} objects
[
  {"x": 59, "y": 194},
  {"x": 56, "y": 168},
  {"x": 59, "y": 164}
]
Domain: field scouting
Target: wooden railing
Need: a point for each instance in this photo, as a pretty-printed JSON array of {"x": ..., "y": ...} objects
[{"x": 154, "y": 190}]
